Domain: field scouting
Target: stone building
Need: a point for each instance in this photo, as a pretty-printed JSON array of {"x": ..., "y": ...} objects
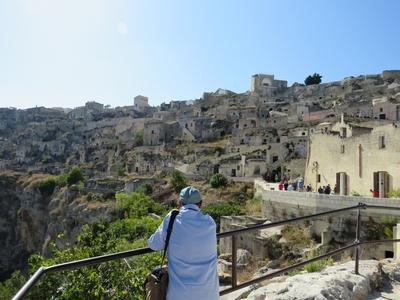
[
  {"x": 266, "y": 85},
  {"x": 386, "y": 109},
  {"x": 158, "y": 133},
  {"x": 358, "y": 160},
  {"x": 141, "y": 102}
]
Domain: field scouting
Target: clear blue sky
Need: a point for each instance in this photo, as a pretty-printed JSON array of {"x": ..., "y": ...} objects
[{"x": 64, "y": 53}]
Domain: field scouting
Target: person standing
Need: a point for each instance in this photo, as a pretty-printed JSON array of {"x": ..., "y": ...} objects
[{"x": 192, "y": 250}]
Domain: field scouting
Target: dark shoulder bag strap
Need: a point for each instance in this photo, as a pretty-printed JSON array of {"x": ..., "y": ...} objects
[{"x": 174, "y": 213}]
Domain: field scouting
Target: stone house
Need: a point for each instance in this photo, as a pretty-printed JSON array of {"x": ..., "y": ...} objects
[
  {"x": 204, "y": 128},
  {"x": 386, "y": 109},
  {"x": 165, "y": 115},
  {"x": 156, "y": 132},
  {"x": 239, "y": 112},
  {"x": 317, "y": 115},
  {"x": 254, "y": 136},
  {"x": 356, "y": 159}
]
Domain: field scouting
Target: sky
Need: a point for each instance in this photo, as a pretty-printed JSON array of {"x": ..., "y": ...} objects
[{"x": 63, "y": 53}]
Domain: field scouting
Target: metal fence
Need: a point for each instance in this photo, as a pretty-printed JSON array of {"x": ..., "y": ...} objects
[{"x": 233, "y": 234}]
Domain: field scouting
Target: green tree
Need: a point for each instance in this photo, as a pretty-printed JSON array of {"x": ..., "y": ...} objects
[
  {"x": 313, "y": 79},
  {"x": 178, "y": 181},
  {"x": 218, "y": 180},
  {"x": 75, "y": 176}
]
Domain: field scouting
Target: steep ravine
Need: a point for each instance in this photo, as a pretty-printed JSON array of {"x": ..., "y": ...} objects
[{"x": 29, "y": 221}]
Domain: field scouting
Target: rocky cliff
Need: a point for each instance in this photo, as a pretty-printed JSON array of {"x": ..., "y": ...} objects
[{"x": 30, "y": 221}]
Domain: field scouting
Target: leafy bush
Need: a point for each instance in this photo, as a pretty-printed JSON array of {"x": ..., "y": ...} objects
[
  {"x": 62, "y": 180},
  {"x": 146, "y": 188},
  {"x": 75, "y": 176},
  {"x": 178, "y": 181},
  {"x": 10, "y": 287},
  {"x": 318, "y": 265},
  {"x": 394, "y": 193},
  {"x": 109, "y": 195},
  {"x": 217, "y": 210},
  {"x": 137, "y": 205},
  {"x": 218, "y": 180},
  {"x": 382, "y": 229},
  {"x": 47, "y": 186}
]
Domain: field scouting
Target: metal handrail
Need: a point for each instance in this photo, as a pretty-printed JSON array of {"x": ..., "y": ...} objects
[{"x": 233, "y": 233}]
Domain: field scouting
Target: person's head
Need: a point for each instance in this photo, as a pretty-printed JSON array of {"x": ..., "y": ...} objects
[{"x": 190, "y": 195}]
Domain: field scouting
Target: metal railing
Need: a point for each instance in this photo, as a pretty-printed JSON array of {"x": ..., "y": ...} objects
[{"x": 233, "y": 234}]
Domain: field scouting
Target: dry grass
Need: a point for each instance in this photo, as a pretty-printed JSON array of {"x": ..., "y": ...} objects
[
  {"x": 248, "y": 271},
  {"x": 32, "y": 181},
  {"x": 253, "y": 207}
]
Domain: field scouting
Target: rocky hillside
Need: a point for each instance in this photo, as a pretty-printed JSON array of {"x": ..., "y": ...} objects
[{"x": 377, "y": 280}]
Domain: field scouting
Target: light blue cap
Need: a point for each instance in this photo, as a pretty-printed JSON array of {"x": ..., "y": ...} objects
[{"x": 190, "y": 195}]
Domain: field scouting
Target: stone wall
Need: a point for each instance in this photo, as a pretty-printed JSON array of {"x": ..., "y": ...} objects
[
  {"x": 280, "y": 205},
  {"x": 357, "y": 156}
]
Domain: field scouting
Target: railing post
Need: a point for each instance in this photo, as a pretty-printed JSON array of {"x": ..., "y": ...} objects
[
  {"x": 234, "y": 258},
  {"x": 357, "y": 240}
]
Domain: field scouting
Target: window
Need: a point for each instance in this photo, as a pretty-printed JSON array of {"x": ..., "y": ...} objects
[
  {"x": 344, "y": 132},
  {"x": 303, "y": 133},
  {"x": 341, "y": 148},
  {"x": 238, "y": 168},
  {"x": 264, "y": 141},
  {"x": 274, "y": 158},
  {"x": 381, "y": 109},
  {"x": 319, "y": 178},
  {"x": 381, "y": 142},
  {"x": 152, "y": 132}
]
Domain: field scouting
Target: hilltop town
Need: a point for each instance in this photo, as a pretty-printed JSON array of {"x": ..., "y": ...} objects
[
  {"x": 261, "y": 132},
  {"x": 344, "y": 134}
]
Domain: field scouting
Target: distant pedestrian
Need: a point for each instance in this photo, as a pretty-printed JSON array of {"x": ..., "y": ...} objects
[
  {"x": 320, "y": 190},
  {"x": 309, "y": 188},
  {"x": 327, "y": 190},
  {"x": 280, "y": 186},
  {"x": 285, "y": 185}
]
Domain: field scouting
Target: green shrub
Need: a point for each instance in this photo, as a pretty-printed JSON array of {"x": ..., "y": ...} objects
[
  {"x": 318, "y": 265},
  {"x": 146, "y": 188},
  {"x": 178, "y": 181},
  {"x": 47, "y": 186},
  {"x": 75, "y": 176},
  {"x": 62, "y": 180},
  {"x": 109, "y": 195},
  {"x": 10, "y": 287},
  {"x": 121, "y": 171},
  {"x": 137, "y": 205},
  {"x": 218, "y": 180},
  {"x": 217, "y": 210},
  {"x": 394, "y": 193}
]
